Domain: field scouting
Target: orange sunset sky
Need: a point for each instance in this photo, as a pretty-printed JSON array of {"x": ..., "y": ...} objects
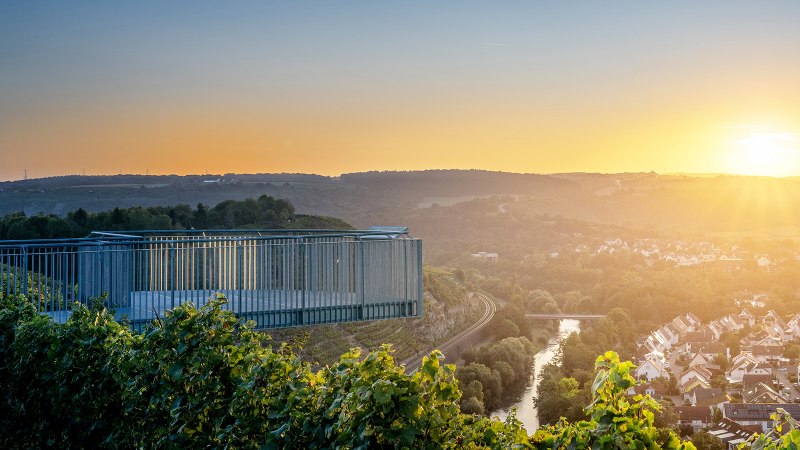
[{"x": 342, "y": 86}]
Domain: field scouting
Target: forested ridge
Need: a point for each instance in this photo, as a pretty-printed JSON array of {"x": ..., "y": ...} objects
[{"x": 263, "y": 212}]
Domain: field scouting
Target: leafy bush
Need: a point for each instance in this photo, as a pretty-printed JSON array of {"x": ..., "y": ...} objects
[{"x": 200, "y": 378}]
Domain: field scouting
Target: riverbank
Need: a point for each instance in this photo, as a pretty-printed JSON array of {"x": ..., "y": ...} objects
[{"x": 526, "y": 408}]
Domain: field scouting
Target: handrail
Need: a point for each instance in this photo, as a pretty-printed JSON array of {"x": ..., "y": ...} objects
[
  {"x": 136, "y": 236},
  {"x": 283, "y": 278}
]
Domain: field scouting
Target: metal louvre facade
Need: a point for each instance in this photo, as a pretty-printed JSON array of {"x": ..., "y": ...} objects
[{"x": 275, "y": 278}]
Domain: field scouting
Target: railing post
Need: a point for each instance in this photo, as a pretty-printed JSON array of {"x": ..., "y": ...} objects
[
  {"x": 102, "y": 271},
  {"x": 301, "y": 318},
  {"x": 25, "y": 274},
  {"x": 362, "y": 281},
  {"x": 420, "y": 288},
  {"x": 172, "y": 274},
  {"x": 406, "y": 300},
  {"x": 239, "y": 275}
]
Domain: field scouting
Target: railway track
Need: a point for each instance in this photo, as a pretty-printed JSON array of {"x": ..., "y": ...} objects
[{"x": 490, "y": 308}]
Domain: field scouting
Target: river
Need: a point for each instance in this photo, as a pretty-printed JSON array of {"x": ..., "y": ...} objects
[{"x": 526, "y": 411}]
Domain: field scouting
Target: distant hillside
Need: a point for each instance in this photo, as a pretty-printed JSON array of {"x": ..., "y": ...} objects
[
  {"x": 678, "y": 203},
  {"x": 461, "y": 182}
]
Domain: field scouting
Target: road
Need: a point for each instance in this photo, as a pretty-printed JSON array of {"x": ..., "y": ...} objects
[
  {"x": 413, "y": 364},
  {"x": 785, "y": 387}
]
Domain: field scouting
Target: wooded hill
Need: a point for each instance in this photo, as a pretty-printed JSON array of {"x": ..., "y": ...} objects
[{"x": 720, "y": 203}]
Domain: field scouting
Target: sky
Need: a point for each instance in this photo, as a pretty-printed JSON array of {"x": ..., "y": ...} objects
[{"x": 332, "y": 86}]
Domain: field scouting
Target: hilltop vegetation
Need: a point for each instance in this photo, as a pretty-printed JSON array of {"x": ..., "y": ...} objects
[{"x": 264, "y": 212}]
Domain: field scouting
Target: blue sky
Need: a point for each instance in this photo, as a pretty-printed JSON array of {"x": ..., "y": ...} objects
[{"x": 446, "y": 83}]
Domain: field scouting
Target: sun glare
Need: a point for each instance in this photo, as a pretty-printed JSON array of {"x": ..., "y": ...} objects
[{"x": 766, "y": 154}]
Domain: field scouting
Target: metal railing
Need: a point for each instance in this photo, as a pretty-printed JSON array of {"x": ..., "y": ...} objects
[{"x": 277, "y": 278}]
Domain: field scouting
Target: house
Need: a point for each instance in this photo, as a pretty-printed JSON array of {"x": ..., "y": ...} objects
[
  {"x": 706, "y": 396},
  {"x": 731, "y": 433},
  {"x": 751, "y": 379},
  {"x": 663, "y": 338},
  {"x": 680, "y": 326},
  {"x": 772, "y": 318},
  {"x": 752, "y": 339},
  {"x": 792, "y": 329},
  {"x": 692, "y": 321},
  {"x": 486, "y": 256},
  {"x": 730, "y": 324},
  {"x": 649, "y": 345},
  {"x": 669, "y": 334},
  {"x": 699, "y": 359},
  {"x": 716, "y": 329},
  {"x": 701, "y": 337},
  {"x": 698, "y": 417},
  {"x": 775, "y": 331},
  {"x": 694, "y": 383},
  {"x": 761, "y": 393},
  {"x": 708, "y": 349},
  {"x": 695, "y": 371},
  {"x": 765, "y": 353},
  {"x": 655, "y": 390},
  {"x": 653, "y": 367},
  {"x": 747, "y": 318},
  {"x": 758, "y": 413},
  {"x": 742, "y": 358}
]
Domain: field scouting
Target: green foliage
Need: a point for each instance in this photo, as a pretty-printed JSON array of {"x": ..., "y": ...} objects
[
  {"x": 60, "y": 382},
  {"x": 784, "y": 435},
  {"x": 501, "y": 325},
  {"x": 443, "y": 289},
  {"x": 702, "y": 440},
  {"x": 616, "y": 421},
  {"x": 577, "y": 358},
  {"x": 44, "y": 290},
  {"x": 498, "y": 367},
  {"x": 200, "y": 378}
]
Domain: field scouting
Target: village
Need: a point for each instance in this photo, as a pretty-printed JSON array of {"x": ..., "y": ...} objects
[{"x": 727, "y": 376}]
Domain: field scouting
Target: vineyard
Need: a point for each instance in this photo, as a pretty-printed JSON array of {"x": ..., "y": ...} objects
[
  {"x": 200, "y": 378},
  {"x": 448, "y": 311}
]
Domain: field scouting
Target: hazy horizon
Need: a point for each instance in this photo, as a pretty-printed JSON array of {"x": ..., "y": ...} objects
[{"x": 212, "y": 174}]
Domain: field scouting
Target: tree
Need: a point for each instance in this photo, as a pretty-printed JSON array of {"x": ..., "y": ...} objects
[
  {"x": 503, "y": 328},
  {"x": 702, "y": 440},
  {"x": 471, "y": 405},
  {"x": 721, "y": 360},
  {"x": 491, "y": 384},
  {"x": 666, "y": 417}
]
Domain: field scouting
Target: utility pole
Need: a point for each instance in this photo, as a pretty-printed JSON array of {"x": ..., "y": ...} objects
[{"x": 25, "y": 175}]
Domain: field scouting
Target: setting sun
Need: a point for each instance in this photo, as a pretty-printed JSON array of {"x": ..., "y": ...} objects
[{"x": 765, "y": 154}]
